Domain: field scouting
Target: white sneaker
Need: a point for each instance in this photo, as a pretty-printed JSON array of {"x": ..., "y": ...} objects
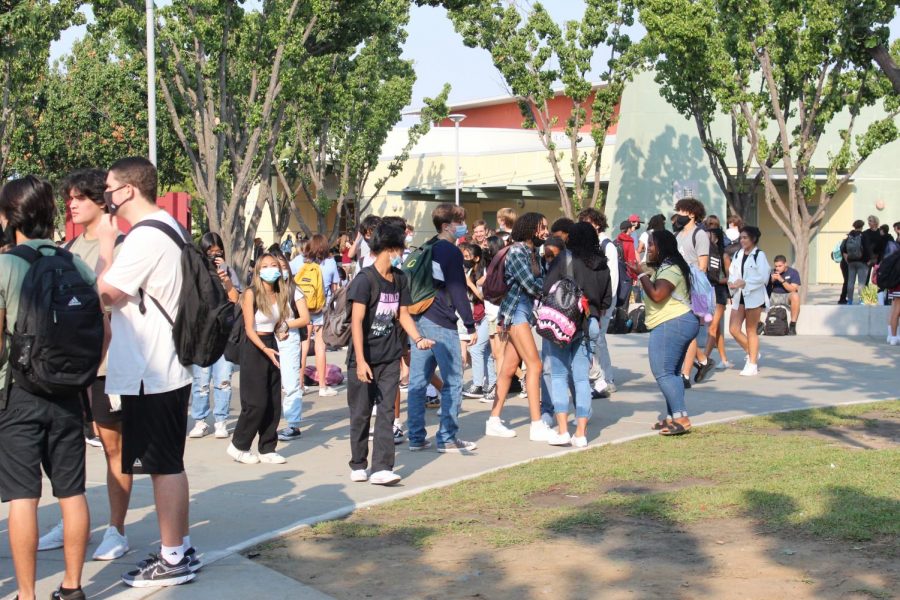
[
  {"x": 113, "y": 546},
  {"x": 547, "y": 419},
  {"x": 579, "y": 442},
  {"x": 610, "y": 387},
  {"x": 200, "y": 429},
  {"x": 327, "y": 391},
  {"x": 247, "y": 458},
  {"x": 94, "y": 441},
  {"x": 750, "y": 370},
  {"x": 53, "y": 539},
  {"x": 221, "y": 430},
  {"x": 494, "y": 427},
  {"x": 600, "y": 386},
  {"x": 539, "y": 432},
  {"x": 555, "y": 439},
  {"x": 895, "y": 341},
  {"x": 595, "y": 372},
  {"x": 272, "y": 458},
  {"x": 359, "y": 475},
  {"x": 384, "y": 478}
]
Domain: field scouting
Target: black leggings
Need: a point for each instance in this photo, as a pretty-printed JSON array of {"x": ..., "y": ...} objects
[{"x": 260, "y": 382}]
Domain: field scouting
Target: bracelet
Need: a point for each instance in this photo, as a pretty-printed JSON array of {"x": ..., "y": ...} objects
[
  {"x": 419, "y": 340},
  {"x": 643, "y": 275}
]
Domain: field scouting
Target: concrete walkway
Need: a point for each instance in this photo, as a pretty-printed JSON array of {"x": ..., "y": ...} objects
[{"x": 236, "y": 506}]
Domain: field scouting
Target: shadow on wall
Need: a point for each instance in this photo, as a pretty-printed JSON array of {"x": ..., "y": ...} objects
[{"x": 646, "y": 181}]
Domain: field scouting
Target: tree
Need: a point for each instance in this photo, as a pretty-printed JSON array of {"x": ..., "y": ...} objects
[
  {"x": 27, "y": 28},
  {"x": 799, "y": 62},
  {"x": 532, "y": 53}
]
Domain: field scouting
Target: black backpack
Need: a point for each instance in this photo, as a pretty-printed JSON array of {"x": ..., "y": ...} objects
[
  {"x": 854, "y": 248},
  {"x": 205, "y": 315},
  {"x": 889, "y": 272},
  {"x": 624, "y": 289},
  {"x": 776, "y": 321},
  {"x": 638, "y": 316},
  {"x": 618, "y": 325},
  {"x": 57, "y": 345},
  {"x": 560, "y": 313}
]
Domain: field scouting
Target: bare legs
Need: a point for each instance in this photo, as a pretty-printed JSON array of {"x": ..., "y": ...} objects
[
  {"x": 749, "y": 341},
  {"x": 715, "y": 337},
  {"x": 118, "y": 484},
  {"x": 520, "y": 347},
  {"x": 170, "y": 493}
]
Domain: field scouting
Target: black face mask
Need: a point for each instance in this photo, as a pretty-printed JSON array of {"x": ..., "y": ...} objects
[
  {"x": 681, "y": 222},
  {"x": 468, "y": 264},
  {"x": 538, "y": 242}
]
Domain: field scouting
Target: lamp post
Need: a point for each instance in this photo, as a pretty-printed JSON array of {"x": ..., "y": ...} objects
[
  {"x": 151, "y": 82},
  {"x": 457, "y": 119}
]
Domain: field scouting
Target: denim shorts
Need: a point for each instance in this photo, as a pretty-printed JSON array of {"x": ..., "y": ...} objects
[
  {"x": 524, "y": 312},
  {"x": 317, "y": 318}
]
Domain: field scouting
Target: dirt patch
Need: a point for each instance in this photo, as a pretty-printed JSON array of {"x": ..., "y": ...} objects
[
  {"x": 561, "y": 496},
  {"x": 879, "y": 431},
  {"x": 630, "y": 558}
]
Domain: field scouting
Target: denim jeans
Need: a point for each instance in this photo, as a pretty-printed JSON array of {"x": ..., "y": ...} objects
[
  {"x": 857, "y": 272},
  {"x": 546, "y": 382},
  {"x": 217, "y": 376},
  {"x": 447, "y": 356},
  {"x": 569, "y": 366},
  {"x": 289, "y": 359},
  {"x": 668, "y": 344},
  {"x": 599, "y": 348},
  {"x": 482, "y": 359}
]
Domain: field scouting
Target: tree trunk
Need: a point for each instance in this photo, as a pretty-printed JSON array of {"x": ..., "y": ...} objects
[
  {"x": 882, "y": 56},
  {"x": 801, "y": 260}
]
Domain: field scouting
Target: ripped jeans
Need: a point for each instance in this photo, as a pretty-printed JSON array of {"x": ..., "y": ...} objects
[{"x": 217, "y": 376}]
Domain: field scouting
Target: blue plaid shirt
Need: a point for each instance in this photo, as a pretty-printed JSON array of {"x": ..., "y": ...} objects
[{"x": 522, "y": 281}]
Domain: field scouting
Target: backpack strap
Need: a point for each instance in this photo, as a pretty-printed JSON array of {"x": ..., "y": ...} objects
[
  {"x": 26, "y": 253},
  {"x": 179, "y": 240}
]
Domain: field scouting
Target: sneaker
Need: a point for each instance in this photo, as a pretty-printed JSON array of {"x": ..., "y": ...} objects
[
  {"x": 725, "y": 365},
  {"x": 557, "y": 439},
  {"x": 326, "y": 392},
  {"x": 579, "y": 442},
  {"x": 404, "y": 386},
  {"x": 539, "y": 432},
  {"x": 156, "y": 572},
  {"x": 456, "y": 446},
  {"x": 113, "y": 545},
  {"x": 595, "y": 395},
  {"x": 384, "y": 478},
  {"x": 70, "y": 595},
  {"x": 200, "y": 429},
  {"x": 704, "y": 369},
  {"x": 490, "y": 395},
  {"x": 432, "y": 402},
  {"x": 523, "y": 394},
  {"x": 548, "y": 419},
  {"x": 760, "y": 328},
  {"x": 419, "y": 446},
  {"x": 359, "y": 475},
  {"x": 610, "y": 387},
  {"x": 53, "y": 539},
  {"x": 196, "y": 564},
  {"x": 289, "y": 433},
  {"x": 398, "y": 434},
  {"x": 221, "y": 430},
  {"x": 595, "y": 373},
  {"x": 792, "y": 328},
  {"x": 750, "y": 370},
  {"x": 272, "y": 458},
  {"x": 686, "y": 382},
  {"x": 494, "y": 427},
  {"x": 600, "y": 386},
  {"x": 895, "y": 341},
  {"x": 247, "y": 458},
  {"x": 95, "y": 442},
  {"x": 470, "y": 390}
]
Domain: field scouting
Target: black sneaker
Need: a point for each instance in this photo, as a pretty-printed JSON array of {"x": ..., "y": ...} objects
[
  {"x": 686, "y": 382},
  {"x": 595, "y": 395},
  {"x": 760, "y": 329},
  {"x": 398, "y": 434},
  {"x": 470, "y": 390},
  {"x": 703, "y": 370},
  {"x": 156, "y": 572},
  {"x": 289, "y": 433},
  {"x": 432, "y": 402},
  {"x": 58, "y": 594},
  {"x": 792, "y": 329},
  {"x": 196, "y": 564}
]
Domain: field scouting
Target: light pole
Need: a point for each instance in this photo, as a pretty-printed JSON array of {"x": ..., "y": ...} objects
[
  {"x": 457, "y": 119},
  {"x": 151, "y": 82}
]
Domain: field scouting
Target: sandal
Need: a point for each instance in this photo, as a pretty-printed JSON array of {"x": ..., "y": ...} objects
[
  {"x": 675, "y": 428},
  {"x": 659, "y": 425}
]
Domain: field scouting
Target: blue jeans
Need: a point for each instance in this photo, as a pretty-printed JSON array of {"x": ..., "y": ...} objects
[
  {"x": 569, "y": 366},
  {"x": 482, "y": 359},
  {"x": 546, "y": 382},
  {"x": 447, "y": 356},
  {"x": 220, "y": 374},
  {"x": 668, "y": 344},
  {"x": 289, "y": 359},
  {"x": 599, "y": 348}
]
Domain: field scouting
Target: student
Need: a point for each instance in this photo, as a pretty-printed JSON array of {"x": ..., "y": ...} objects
[
  {"x": 785, "y": 283},
  {"x": 380, "y": 297},
  {"x": 289, "y": 340},
  {"x": 855, "y": 252},
  {"x": 667, "y": 290},
  {"x": 438, "y": 323},
  {"x": 218, "y": 375},
  {"x": 479, "y": 233},
  {"x": 360, "y": 248},
  {"x": 747, "y": 281},
  {"x": 506, "y": 218},
  {"x": 561, "y": 228},
  {"x": 656, "y": 222},
  {"x": 719, "y": 264},
  {"x": 484, "y": 377},
  {"x": 491, "y": 313},
  {"x": 143, "y": 366},
  {"x": 316, "y": 251},
  {"x": 37, "y": 429}
]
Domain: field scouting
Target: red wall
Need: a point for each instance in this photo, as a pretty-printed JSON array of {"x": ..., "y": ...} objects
[
  {"x": 177, "y": 204},
  {"x": 507, "y": 115}
]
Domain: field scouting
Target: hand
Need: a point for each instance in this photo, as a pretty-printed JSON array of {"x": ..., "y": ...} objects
[
  {"x": 225, "y": 279},
  {"x": 425, "y": 344},
  {"x": 740, "y": 283},
  {"x": 474, "y": 338},
  {"x": 364, "y": 372},
  {"x": 108, "y": 228},
  {"x": 272, "y": 354},
  {"x": 777, "y": 277}
]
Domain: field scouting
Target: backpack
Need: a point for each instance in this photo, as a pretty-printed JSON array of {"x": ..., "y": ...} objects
[
  {"x": 715, "y": 270},
  {"x": 889, "y": 272},
  {"x": 619, "y": 323},
  {"x": 495, "y": 288},
  {"x": 836, "y": 255},
  {"x": 854, "y": 248},
  {"x": 638, "y": 320},
  {"x": 776, "y": 321},
  {"x": 889, "y": 248},
  {"x": 624, "y": 289},
  {"x": 560, "y": 312},
  {"x": 205, "y": 315},
  {"x": 57, "y": 345},
  {"x": 333, "y": 375},
  {"x": 236, "y": 337},
  {"x": 703, "y": 298},
  {"x": 310, "y": 281},
  {"x": 419, "y": 270},
  {"x": 336, "y": 327}
]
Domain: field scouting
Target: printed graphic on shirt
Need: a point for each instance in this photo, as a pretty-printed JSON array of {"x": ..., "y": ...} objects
[{"x": 385, "y": 314}]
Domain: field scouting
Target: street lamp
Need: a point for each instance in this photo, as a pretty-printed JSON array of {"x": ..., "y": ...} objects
[
  {"x": 457, "y": 119},
  {"x": 151, "y": 82}
]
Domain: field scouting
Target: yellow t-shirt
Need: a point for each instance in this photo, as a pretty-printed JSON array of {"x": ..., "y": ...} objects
[{"x": 670, "y": 308}]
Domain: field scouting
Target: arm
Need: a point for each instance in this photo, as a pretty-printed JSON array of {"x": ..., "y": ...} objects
[
  {"x": 409, "y": 326},
  {"x": 354, "y": 247},
  {"x": 474, "y": 289},
  {"x": 250, "y": 327},
  {"x": 303, "y": 319},
  {"x": 612, "y": 260},
  {"x": 758, "y": 276},
  {"x": 357, "y": 315},
  {"x": 657, "y": 290},
  {"x": 518, "y": 263},
  {"x": 451, "y": 263}
]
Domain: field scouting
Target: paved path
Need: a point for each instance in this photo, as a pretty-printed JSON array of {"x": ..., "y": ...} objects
[{"x": 234, "y": 506}]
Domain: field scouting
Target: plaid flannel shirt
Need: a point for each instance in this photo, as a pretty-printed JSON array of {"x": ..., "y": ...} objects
[{"x": 521, "y": 279}]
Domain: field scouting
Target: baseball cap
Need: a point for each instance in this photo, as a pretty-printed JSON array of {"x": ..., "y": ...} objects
[
  {"x": 635, "y": 219},
  {"x": 625, "y": 225}
]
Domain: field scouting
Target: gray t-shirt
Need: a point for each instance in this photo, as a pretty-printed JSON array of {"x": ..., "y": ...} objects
[{"x": 693, "y": 244}]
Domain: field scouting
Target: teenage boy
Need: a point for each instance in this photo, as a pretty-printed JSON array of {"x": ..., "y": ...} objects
[
  {"x": 856, "y": 254},
  {"x": 380, "y": 297},
  {"x": 83, "y": 193},
  {"x": 143, "y": 366},
  {"x": 438, "y": 323},
  {"x": 786, "y": 289},
  {"x": 693, "y": 243},
  {"x": 506, "y": 218},
  {"x": 479, "y": 233},
  {"x": 360, "y": 249},
  {"x": 37, "y": 429}
]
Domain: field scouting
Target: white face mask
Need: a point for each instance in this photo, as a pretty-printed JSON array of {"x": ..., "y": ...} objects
[
  {"x": 732, "y": 233},
  {"x": 409, "y": 240}
]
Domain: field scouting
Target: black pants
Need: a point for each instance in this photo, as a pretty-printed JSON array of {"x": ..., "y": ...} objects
[
  {"x": 260, "y": 382},
  {"x": 361, "y": 397},
  {"x": 845, "y": 274}
]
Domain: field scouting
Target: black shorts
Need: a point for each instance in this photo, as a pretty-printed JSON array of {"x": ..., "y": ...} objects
[
  {"x": 722, "y": 295},
  {"x": 34, "y": 432},
  {"x": 154, "y": 429},
  {"x": 101, "y": 408}
]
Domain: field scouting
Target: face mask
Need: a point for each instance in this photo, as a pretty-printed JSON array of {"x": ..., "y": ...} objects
[
  {"x": 285, "y": 275},
  {"x": 409, "y": 240},
  {"x": 681, "y": 222},
  {"x": 270, "y": 274},
  {"x": 460, "y": 231},
  {"x": 732, "y": 233},
  {"x": 397, "y": 261},
  {"x": 112, "y": 208},
  {"x": 538, "y": 242},
  {"x": 468, "y": 264}
]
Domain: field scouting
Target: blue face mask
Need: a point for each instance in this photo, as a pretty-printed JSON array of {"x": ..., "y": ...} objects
[
  {"x": 461, "y": 231},
  {"x": 270, "y": 274},
  {"x": 397, "y": 261},
  {"x": 284, "y": 275}
]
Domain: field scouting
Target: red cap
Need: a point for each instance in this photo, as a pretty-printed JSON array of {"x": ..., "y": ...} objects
[{"x": 635, "y": 219}]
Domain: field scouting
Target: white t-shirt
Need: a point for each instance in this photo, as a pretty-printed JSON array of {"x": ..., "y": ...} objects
[
  {"x": 644, "y": 239},
  {"x": 142, "y": 348},
  {"x": 612, "y": 259}
]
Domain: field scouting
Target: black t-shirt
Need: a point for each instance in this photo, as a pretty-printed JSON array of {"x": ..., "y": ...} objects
[
  {"x": 790, "y": 276},
  {"x": 383, "y": 341}
]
